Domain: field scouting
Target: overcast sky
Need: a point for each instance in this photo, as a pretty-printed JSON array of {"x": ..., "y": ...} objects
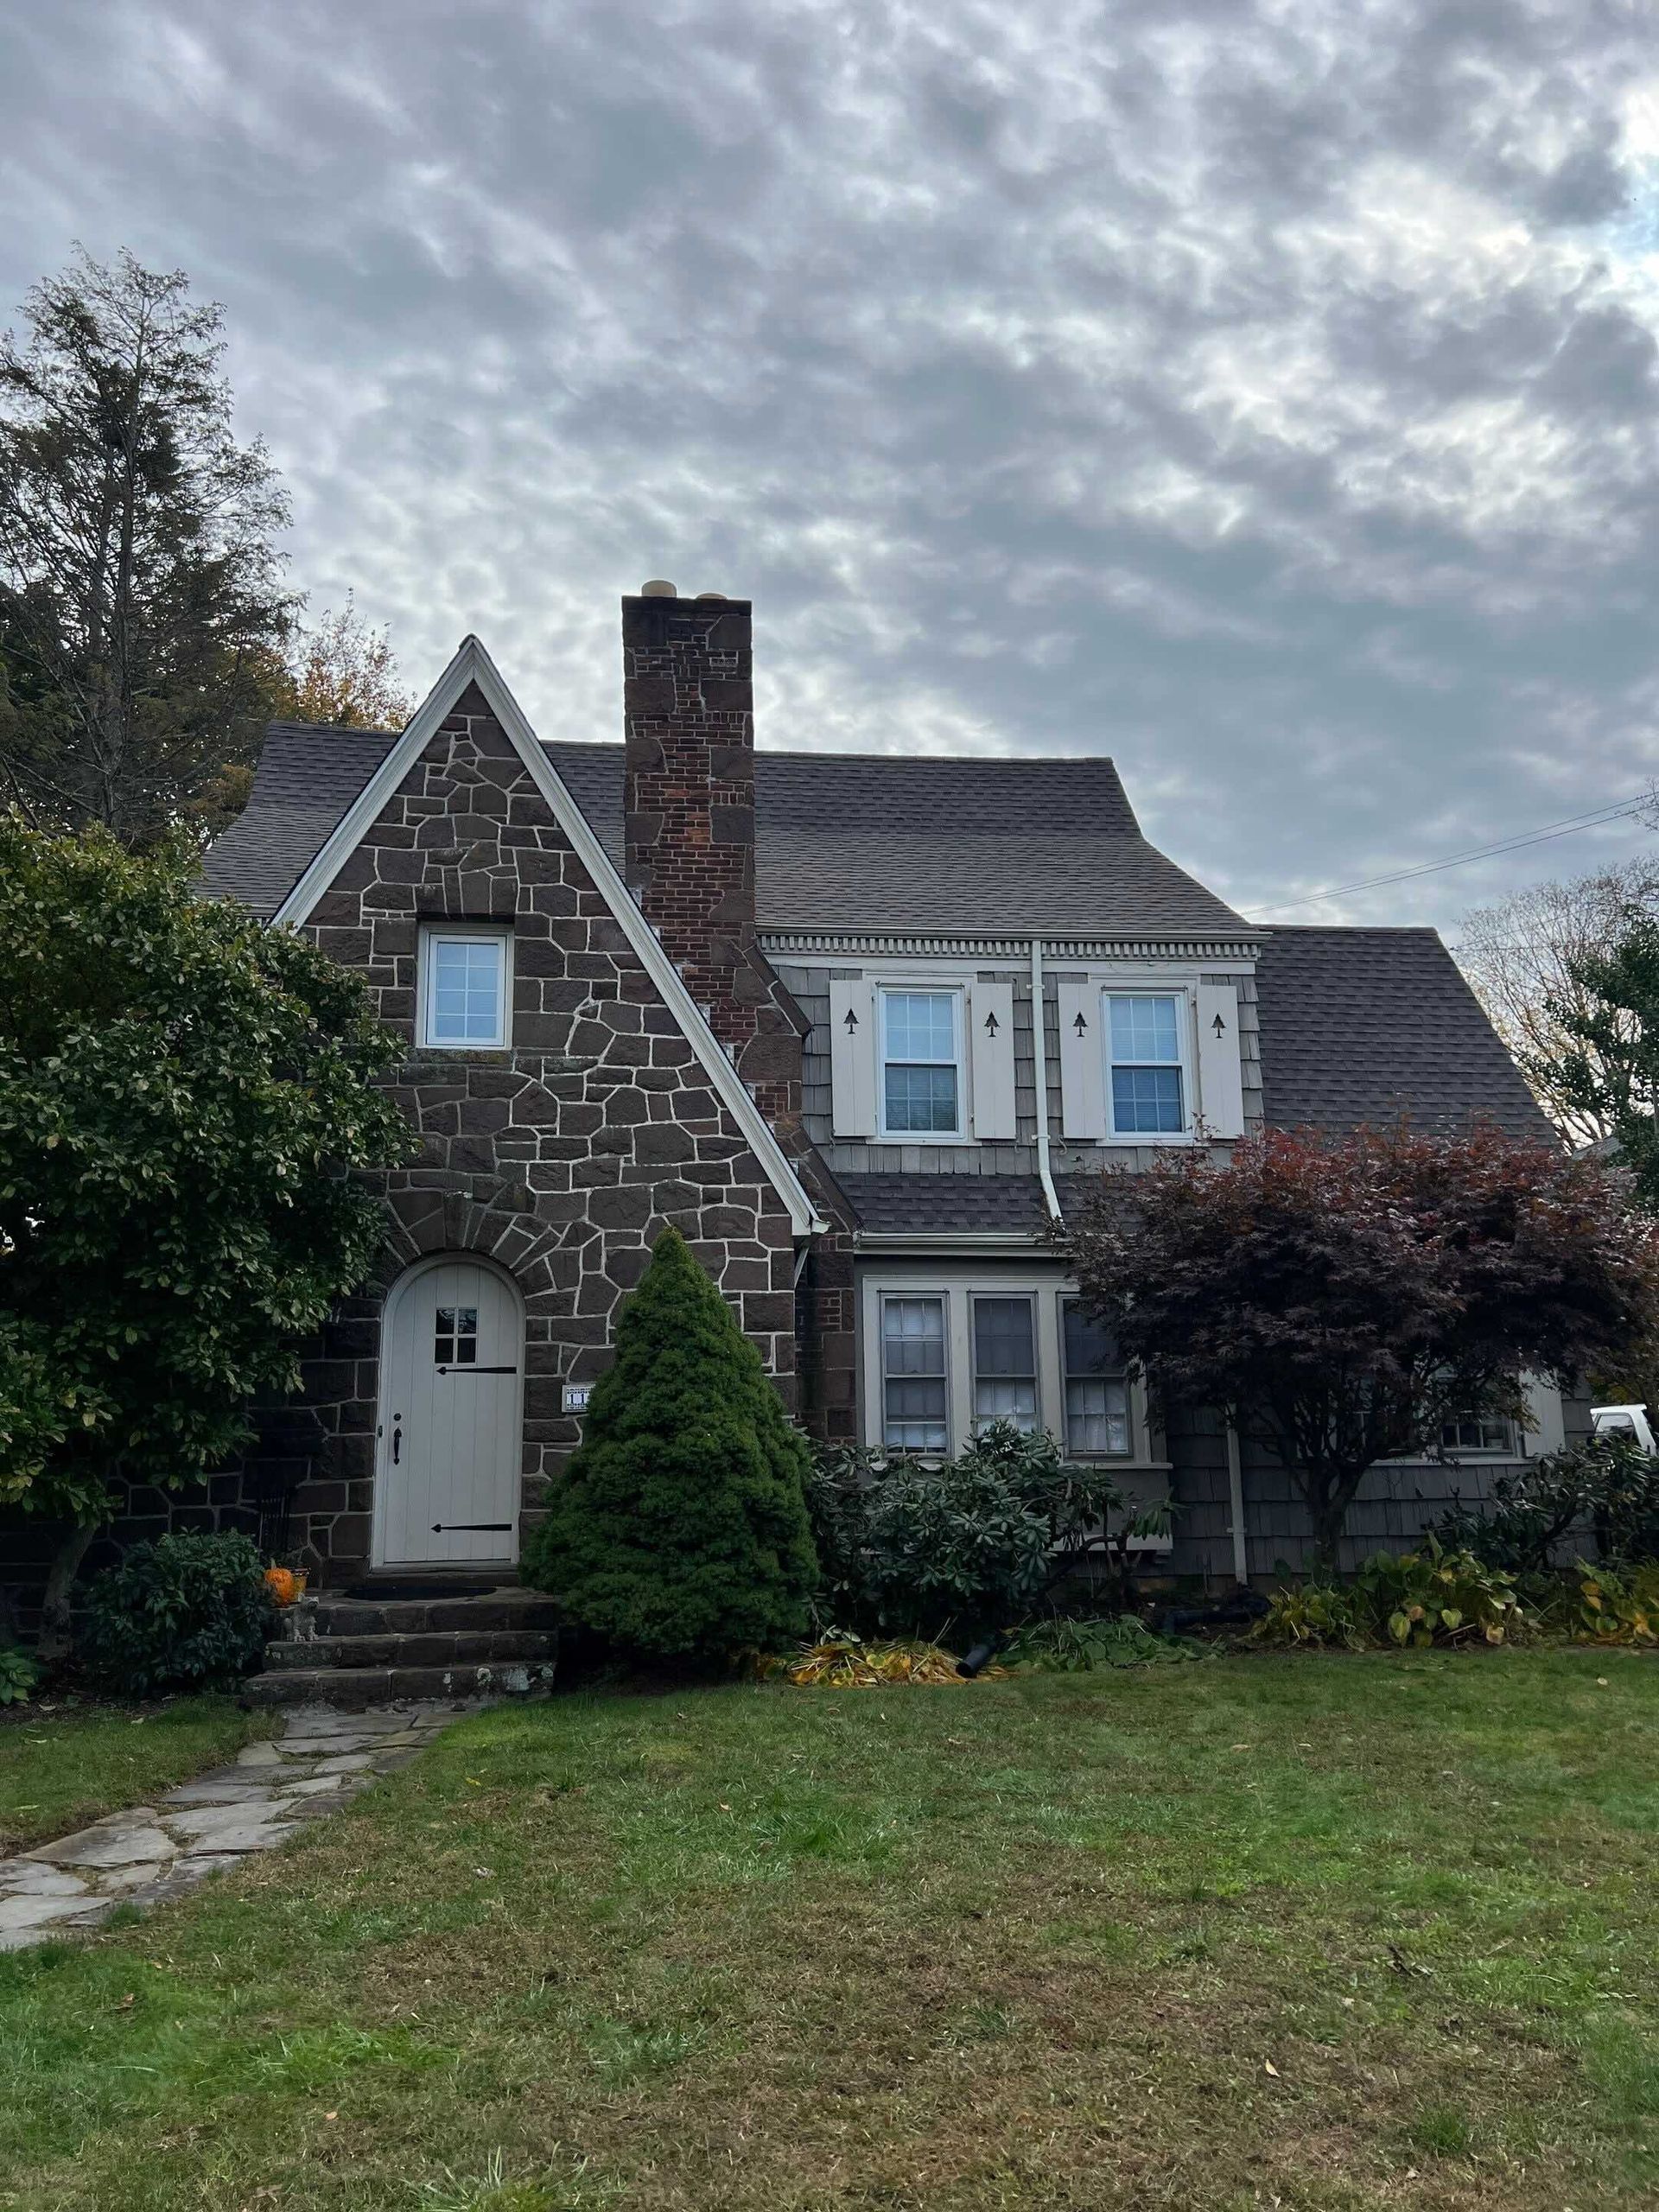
[{"x": 1264, "y": 394}]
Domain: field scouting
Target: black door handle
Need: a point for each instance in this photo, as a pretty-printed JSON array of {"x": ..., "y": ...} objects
[{"x": 397, "y": 1442}]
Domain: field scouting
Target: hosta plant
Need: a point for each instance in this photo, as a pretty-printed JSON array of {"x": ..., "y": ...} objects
[
  {"x": 1061, "y": 1644},
  {"x": 1619, "y": 1605},
  {"x": 1436, "y": 1596},
  {"x": 1321, "y": 1615},
  {"x": 18, "y": 1675},
  {"x": 1433, "y": 1596}
]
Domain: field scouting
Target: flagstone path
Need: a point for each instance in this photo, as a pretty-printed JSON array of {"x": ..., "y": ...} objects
[{"x": 150, "y": 1852}]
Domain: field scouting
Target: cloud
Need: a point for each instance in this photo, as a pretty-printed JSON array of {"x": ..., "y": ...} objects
[{"x": 1266, "y": 394}]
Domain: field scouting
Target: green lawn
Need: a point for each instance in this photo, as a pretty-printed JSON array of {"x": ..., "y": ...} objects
[
  {"x": 62, "y": 1769},
  {"x": 1307, "y": 1932}
]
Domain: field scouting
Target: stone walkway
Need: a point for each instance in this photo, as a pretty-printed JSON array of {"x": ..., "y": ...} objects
[{"x": 319, "y": 1758}]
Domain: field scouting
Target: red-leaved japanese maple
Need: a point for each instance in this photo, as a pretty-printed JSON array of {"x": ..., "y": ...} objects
[{"x": 1343, "y": 1298}]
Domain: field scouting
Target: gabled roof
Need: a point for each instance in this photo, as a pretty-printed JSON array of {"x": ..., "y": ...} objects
[
  {"x": 843, "y": 841},
  {"x": 1360, "y": 1026},
  {"x": 471, "y": 668}
]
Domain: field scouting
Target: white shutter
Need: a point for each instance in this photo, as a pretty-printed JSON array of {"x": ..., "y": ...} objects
[
  {"x": 1221, "y": 1079},
  {"x": 1083, "y": 1062},
  {"x": 990, "y": 1045},
  {"x": 852, "y": 1056}
]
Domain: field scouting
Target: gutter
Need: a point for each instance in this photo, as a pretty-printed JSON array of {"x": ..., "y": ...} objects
[
  {"x": 1039, "y": 1076},
  {"x": 966, "y": 1241}
]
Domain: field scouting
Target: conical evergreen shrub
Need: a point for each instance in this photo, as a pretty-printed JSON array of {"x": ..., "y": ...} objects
[{"x": 679, "y": 1527}]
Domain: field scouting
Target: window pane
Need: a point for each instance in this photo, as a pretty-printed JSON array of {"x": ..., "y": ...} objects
[
  {"x": 455, "y": 1338},
  {"x": 1475, "y": 1433},
  {"x": 1090, "y": 1347},
  {"x": 912, "y": 1365},
  {"x": 1005, "y": 1364},
  {"x": 1146, "y": 1099},
  {"x": 921, "y": 1099},
  {"x": 1096, "y": 1394},
  {"x": 921, "y": 1025},
  {"x": 1144, "y": 1028},
  {"x": 467, "y": 989},
  {"x": 1002, "y": 1336},
  {"x": 1096, "y": 1414}
]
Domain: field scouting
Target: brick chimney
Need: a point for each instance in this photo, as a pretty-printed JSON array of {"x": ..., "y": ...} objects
[{"x": 688, "y": 704}]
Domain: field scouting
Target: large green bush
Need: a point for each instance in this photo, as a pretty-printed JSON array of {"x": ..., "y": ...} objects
[
  {"x": 179, "y": 1613},
  {"x": 679, "y": 1528},
  {"x": 184, "y": 1096},
  {"x": 915, "y": 1547},
  {"x": 1606, "y": 1482}
]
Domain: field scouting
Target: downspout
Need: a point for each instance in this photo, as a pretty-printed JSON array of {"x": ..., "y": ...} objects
[
  {"x": 1039, "y": 1076},
  {"x": 1235, "y": 1502}
]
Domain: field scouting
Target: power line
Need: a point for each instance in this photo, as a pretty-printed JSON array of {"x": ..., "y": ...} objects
[{"x": 1620, "y": 810}]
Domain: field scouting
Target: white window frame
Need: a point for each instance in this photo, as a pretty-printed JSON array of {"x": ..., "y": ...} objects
[
  {"x": 433, "y": 934},
  {"x": 1182, "y": 994},
  {"x": 923, "y": 987}
]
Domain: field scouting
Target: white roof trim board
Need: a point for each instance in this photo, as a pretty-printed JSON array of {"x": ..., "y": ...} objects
[{"x": 473, "y": 664}]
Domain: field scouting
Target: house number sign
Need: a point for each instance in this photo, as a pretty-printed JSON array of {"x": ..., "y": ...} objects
[{"x": 573, "y": 1397}]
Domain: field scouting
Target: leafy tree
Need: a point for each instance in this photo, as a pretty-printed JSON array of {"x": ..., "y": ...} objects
[
  {"x": 1523, "y": 957},
  {"x": 1344, "y": 1299},
  {"x": 1607, "y": 1063},
  {"x": 182, "y": 1096},
  {"x": 142, "y": 619},
  {"x": 343, "y": 673},
  {"x": 679, "y": 1527}
]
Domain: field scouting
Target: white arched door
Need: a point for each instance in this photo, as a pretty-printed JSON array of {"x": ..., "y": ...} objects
[{"x": 451, "y": 1427}]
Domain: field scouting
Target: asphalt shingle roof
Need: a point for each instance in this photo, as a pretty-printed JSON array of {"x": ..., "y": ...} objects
[
  {"x": 842, "y": 840},
  {"x": 1359, "y": 1026},
  {"x": 898, "y": 1205}
]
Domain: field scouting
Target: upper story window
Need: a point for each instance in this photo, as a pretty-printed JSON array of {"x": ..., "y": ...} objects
[
  {"x": 465, "y": 988},
  {"x": 1146, "y": 1080},
  {"x": 921, "y": 1073},
  {"x": 1004, "y": 1361},
  {"x": 1097, "y": 1386}
]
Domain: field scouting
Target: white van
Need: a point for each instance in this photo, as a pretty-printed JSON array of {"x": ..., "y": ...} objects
[{"x": 1624, "y": 1420}]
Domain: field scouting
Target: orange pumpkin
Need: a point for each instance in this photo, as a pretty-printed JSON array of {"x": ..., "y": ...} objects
[{"x": 284, "y": 1584}]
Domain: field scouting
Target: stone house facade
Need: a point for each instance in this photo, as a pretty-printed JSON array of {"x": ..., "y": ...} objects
[{"x": 858, "y": 1025}]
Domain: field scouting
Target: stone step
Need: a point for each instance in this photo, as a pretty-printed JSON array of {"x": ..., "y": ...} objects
[
  {"x": 352, "y": 1689},
  {"x": 419, "y": 1648},
  {"x": 492, "y": 1610}
]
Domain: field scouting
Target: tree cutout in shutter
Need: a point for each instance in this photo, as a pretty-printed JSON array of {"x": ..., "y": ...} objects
[
  {"x": 851, "y": 1022},
  {"x": 990, "y": 1025},
  {"x": 1219, "y": 1027},
  {"x": 1080, "y": 1025}
]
